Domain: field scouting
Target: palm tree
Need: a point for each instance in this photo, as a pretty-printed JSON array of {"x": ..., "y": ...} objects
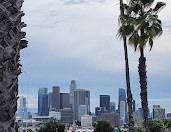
[
  {"x": 11, "y": 42},
  {"x": 142, "y": 27},
  {"x": 129, "y": 94}
]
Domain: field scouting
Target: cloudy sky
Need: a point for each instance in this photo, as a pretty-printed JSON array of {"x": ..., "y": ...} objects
[{"x": 77, "y": 40}]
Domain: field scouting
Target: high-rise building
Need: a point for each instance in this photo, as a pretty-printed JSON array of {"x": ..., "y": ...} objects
[
  {"x": 82, "y": 111},
  {"x": 22, "y": 112},
  {"x": 50, "y": 101},
  {"x": 64, "y": 100},
  {"x": 100, "y": 110},
  {"x": 140, "y": 113},
  {"x": 67, "y": 115},
  {"x": 112, "y": 107},
  {"x": 158, "y": 112},
  {"x": 81, "y": 97},
  {"x": 43, "y": 109},
  {"x": 105, "y": 102},
  {"x": 73, "y": 87},
  {"x": 22, "y": 102},
  {"x": 122, "y": 105},
  {"x": 134, "y": 106},
  {"x": 56, "y": 97}
]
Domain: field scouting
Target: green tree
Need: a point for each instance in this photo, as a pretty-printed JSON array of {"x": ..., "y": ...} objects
[
  {"x": 129, "y": 93},
  {"x": 103, "y": 126},
  {"x": 11, "y": 42},
  {"x": 142, "y": 27},
  {"x": 51, "y": 126}
]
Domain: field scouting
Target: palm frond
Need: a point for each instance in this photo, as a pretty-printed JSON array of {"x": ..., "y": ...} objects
[{"x": 159, "y": 6}]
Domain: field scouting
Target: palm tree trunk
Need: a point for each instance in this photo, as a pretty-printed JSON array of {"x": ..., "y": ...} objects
[
  {"x": 10, "y": 45},
  {"x": 129, "y": 94},
  {"x": 143, "y": 85}
]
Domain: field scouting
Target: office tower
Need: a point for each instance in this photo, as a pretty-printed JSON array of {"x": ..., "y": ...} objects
[
  {"x": 100, "y": 110},
  {"x": 50, "y": 101},
  {"x": 22, "y": 102},
  {"x": 158, "y": 112},
  {"x": 140, "y": 113},
  {"x": 134, "y": 106},
  {"x": 56, "y": 98},
  {"x": 64, "y": 100},
  {"x": 81, "y": 97},
  {"x": 112, "y": 107},
  {"x": 82, "y": 111},
  {"x": 113, "y": 118},
  {"x": 73, "y": 87},
  {"x": 43, "y": 109},
  {"x": 169, "y": 116},
  {"x": 22, "y": 112},
  {"x": 67, "y": 115},
  {"x": 122, "y": 105},
  {"x": 105, "y": 102}
]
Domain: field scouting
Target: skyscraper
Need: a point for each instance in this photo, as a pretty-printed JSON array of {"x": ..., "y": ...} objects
[
  {"x": 22, "y": 112},
  {"x": 158, "y": 112},
  {"x": 43, "y": 109},
  {"x": 56, "y": 97},
  {"x": 112, "y": 107},
  {"x": 134, "y": 107},
  {"x": 81, "y": 97},
  {"x": 64, "y": 100},
  {"x": 73, "y": 87},
  {"x": 122, "y": 105},
  {"x": 50, "y": 101},
  {"x": 105, "y": 102}
]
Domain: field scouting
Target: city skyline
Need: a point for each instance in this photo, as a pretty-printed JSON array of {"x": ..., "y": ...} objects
[{"x": 79, "y": 42}]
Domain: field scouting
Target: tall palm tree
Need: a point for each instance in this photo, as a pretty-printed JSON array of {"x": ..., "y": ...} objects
[
  {"x": 11, "y": 42},
  {"x": 143, "y": 26},
  {"x": 129, "y": 94}
]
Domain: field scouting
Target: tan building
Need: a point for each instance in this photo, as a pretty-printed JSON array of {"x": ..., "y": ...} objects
[
  {"x": 113, "y": 118},
  {"x": 86, "y": 121}
]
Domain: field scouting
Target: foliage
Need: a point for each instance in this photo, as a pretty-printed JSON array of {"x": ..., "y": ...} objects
[
  {"x": 103, "y": 126},
  {"x": 51, "y": 127},
  {"x": 141, "y": 22},
  {"x": 158, "y": 126},
  {"x": 28, "y": 130}
]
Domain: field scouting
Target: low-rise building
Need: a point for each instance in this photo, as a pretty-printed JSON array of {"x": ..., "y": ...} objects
[
  {"x": 55, "y": 115},
  {"x": 113, "y": 118},
  {"x": 86, "y": 121}
]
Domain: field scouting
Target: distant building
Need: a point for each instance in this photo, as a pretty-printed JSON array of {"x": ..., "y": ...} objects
[
  {"x": 56, "y": 97},
  {"x": 122, "y": 105},
  {"x": 86, "y": 121},
  {"x": 113, "y": 118},
  {"x": 82, "y": 111},
  {"x": 134, "y": 106},
  {"x": 81, "y": 97},
  {"x": 73, "y": 87},
  {"x": 22, "y": 112},
  {"x": 158, "y": 112},
  {"x": 43, "y": 109},
  {"x": 140, "y": 113},
  {"x": 65, "y": 100},
  {"x": 50, "y": 101},
  {"x": 112, "y": 107},
  {"x": 105, "y": 102},
  {"x": 67, "y": 116},
  {"x": 100, "y": 110},
  {"x": 55, "y": 115},
  {"x": 169, "y": 116}
]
